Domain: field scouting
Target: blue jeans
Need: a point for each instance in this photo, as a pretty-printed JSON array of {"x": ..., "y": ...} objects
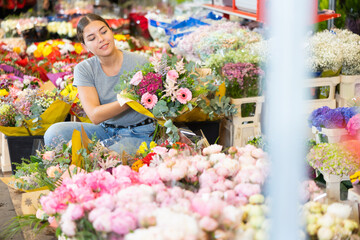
[{"x": 117, "y": 139}]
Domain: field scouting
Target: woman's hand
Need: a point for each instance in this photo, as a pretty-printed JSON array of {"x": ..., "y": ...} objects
[{"x": 98, "y": 113}]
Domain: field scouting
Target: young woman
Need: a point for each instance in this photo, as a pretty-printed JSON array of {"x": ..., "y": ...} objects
[{"x": 119, "y": 128}]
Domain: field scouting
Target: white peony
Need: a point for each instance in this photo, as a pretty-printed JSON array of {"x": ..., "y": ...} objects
[
  {"x": 339, "y": 210},
  {"x": 325, "y": 233}
]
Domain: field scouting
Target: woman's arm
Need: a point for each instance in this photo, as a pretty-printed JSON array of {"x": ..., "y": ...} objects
[{"x": 98, "y": 113}]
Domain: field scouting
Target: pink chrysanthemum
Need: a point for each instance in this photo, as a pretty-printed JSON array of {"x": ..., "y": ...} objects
[
  {"x": 149, "y": 100},
  {"x": 183, "y": 95}
]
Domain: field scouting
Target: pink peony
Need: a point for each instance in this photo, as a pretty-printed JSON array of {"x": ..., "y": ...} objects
[
  {"x": 106, "y": 201},
  {"x": 212, "y": 149},
  {"x": 103, "y": 222},
  {"x": 148, "y": 175},
  {"x": 149, "y": 100},
  {"x": 172, "y": 75},
  {"x": 51, "y": 171},
  {"x": 68, "y": 227},
  {"x": 75, "y": 211},
  {"x": 164, "y": 172},
  {"x": 49, "y": 155},
  {"x": 208, "y": 224},
  {"x": 97, "y": 212},
  {"x": 122, "y": 222},
  {"x": 183, "y": 95},
  {"x": 353, "y": 125},
  {"x": 247, "y": 189},
  {"x": 136, "y": 79}
]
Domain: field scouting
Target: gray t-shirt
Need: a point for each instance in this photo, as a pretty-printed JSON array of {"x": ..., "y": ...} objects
[{"x": 89, "y": 73}]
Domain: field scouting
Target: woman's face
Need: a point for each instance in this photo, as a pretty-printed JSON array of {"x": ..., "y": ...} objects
[{"x": 98, "y": 39}]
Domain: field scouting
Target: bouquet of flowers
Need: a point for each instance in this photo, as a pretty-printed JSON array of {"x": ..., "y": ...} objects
[
  {"x": 242, "y": 79},
  {"x": 31, "y": 111},
  {"x": 333, "y": 158},
  {"x": 350, "y": 45},
  {"x": 164, "y": 89},
  {"x": 325, "y": 53}
]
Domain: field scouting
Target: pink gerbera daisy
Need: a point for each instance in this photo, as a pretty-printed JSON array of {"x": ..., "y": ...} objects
[
  {"x": 183, "y": 95},
  {"x": 149, "y": 100}
]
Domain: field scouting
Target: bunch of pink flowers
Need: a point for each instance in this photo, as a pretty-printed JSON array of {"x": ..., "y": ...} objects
[{"x": 129, "y": 205}]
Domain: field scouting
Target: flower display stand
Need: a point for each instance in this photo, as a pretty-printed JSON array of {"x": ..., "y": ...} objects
[
  {"x": 22, "y": 147},
  {"x": 333, "y": 135},
  {"x": 333, "y": 186},
  {"x": 322, "y": 82},
  {"x": 237, "y": 130},
  {"x": 5, "y": 158},
  {"x": 348, "y": 85}
]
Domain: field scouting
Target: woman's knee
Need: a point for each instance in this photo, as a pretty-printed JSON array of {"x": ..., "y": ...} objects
[{"x": 59, "y": 132}]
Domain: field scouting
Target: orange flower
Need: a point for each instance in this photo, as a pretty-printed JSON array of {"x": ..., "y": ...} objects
[
  {"x": 17, "y": 50},
  {"x": 37, "y": 53},
  {"x": 136, "y": 165}
]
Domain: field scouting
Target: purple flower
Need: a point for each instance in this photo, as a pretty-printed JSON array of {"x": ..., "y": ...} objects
[{"x": 150, "y": 83}]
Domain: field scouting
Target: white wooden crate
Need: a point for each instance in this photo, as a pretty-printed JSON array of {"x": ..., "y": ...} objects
[
  {"x": 237, "y": 130},
  {"x": 321, "y": 82},
  {"x": 348, "y": 87},
  {"x": 5, "y": 158}
]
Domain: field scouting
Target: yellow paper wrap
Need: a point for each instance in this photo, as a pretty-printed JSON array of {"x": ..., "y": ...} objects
[
  {"x": 10, "y": 180},
  {"x": 30, "y": 201},
  {"x": 57, "y": 112}
]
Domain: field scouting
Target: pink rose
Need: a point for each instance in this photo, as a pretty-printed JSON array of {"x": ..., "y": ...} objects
[
  {"x": 51, "y": 171},
  {"x": 122, "y": 222},
  {"x": 149, "y": 100},
  {"x": 49, "y": 155},
  {"x": 172, "y": 75},
  {"x": 183, "y": 95},
  {"x": 208, "y": 224},
  {"x": 136, "y": 79}
]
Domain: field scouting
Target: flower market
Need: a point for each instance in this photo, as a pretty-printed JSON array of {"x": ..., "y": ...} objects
[{"x": 180, "y": 119}]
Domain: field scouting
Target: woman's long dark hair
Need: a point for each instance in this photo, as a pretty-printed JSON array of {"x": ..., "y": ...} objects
[{"x": 84, "y": 21}]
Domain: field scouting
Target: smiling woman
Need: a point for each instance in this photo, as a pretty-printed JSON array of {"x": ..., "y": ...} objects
[{"x": 95, "y": 79}]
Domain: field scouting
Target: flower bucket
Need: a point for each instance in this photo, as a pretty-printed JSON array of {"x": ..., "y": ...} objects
[
  {"x": 333, "y": 185},
  {"x": 333, "y": 135},
  {"x": 22, "y": 147}
]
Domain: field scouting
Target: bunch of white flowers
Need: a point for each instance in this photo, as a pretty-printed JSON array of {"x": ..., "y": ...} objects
[
  {"x": 325, "y": 52},
  {"x": 351, "y": 51}
]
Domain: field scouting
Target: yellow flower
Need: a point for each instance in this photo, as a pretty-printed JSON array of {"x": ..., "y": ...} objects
[
  {"x": 136, "y": 165},
  {"x": 57, "y": 43},
  {"x": 355, "y": 176},
  {"x": 120, "y": 37},
  {"x": 47, "y": 50},
  {"x": 17, "y": 50},
  {"x": 3, "y": 92},
  {"x": 78, "y": 48},
  {"x": 152, "y": 144},
  {"x": 41, "y": 46},
  {"x": 143, "y": 148},
  {"x": 71, "y": 92}
]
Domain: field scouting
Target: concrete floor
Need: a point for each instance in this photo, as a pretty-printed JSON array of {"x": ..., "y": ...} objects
[{"x": 10, "y": 206}]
